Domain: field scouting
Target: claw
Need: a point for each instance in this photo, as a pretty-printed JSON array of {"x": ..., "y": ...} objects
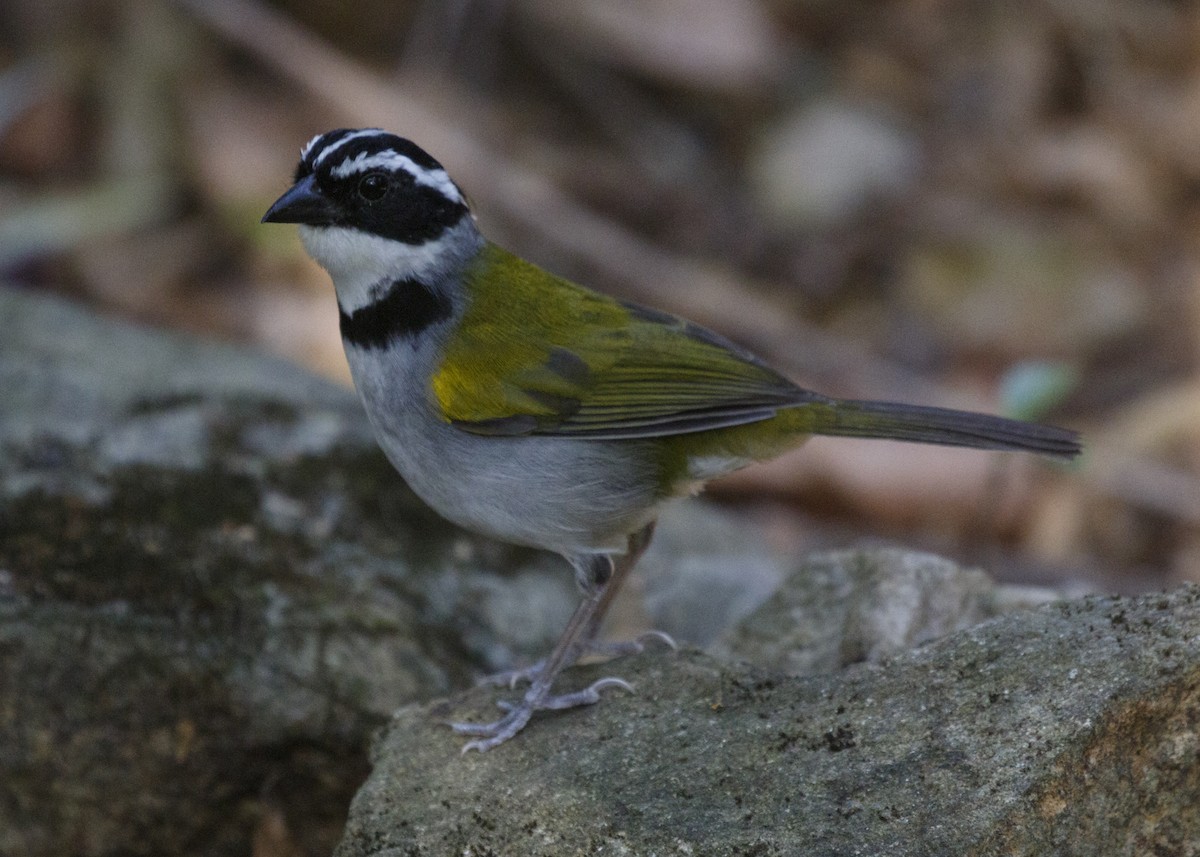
[
  {"x": 608, "y": 649},
  {"x": 653, "y": 636},
  {"x": 489, "y": 735},
  {"x": 494, "y": 734},
  {"x": 590, "y": 695}
]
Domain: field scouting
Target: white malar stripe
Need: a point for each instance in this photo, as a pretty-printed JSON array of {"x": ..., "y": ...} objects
[
  {"x": 356, "y": 135},
  {"x": 437, "y": 179},
  {"x": 360, "y": 263}
]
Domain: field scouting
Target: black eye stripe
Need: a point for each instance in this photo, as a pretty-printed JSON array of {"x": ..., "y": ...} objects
[
  {"x": 412, "y": 209},
  {"x": 373, "y": 186}
]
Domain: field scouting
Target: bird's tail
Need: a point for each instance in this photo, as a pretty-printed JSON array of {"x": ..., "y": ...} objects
[{"x": 850, "y": 418}]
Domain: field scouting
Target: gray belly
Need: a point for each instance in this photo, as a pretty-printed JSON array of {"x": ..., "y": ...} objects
[{"x": 565, "y": 495}]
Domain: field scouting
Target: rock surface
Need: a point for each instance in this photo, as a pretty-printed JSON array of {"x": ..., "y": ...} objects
[
  {"x": 213, "y": 587},
  {"x": 841, "y": 607},
  {"x": 1069, "y": 729}
]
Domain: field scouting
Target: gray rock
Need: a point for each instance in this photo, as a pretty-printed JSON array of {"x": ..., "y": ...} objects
[
  {"x": 1066, "y": 730},
  {"x": 213, "y": 587},
  {"x": 841, "y": 607},
  {"x": 705, "y": 571}
]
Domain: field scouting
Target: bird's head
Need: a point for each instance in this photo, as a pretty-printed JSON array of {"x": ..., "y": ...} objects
[{"x": 374, "y": 207}]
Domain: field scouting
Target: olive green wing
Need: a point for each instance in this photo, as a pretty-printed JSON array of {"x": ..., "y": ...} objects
[{"x": 543, "y": 356}]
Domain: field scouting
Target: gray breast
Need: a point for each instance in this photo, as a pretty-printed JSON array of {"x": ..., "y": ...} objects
[{"x": 566, "y": 495}]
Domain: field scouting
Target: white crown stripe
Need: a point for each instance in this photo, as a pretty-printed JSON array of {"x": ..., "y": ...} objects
[
  {"x": 308, "y": 146},
  {"x": 391, "y": 160},
  {"x": 333, "y": 147}
]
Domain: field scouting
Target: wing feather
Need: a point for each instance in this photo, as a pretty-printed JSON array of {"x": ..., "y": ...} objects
[{"x": 547, "y": 357}]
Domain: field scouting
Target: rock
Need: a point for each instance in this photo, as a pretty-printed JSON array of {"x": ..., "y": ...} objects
[
  {"x": 213, "y": 587},
  {"x": 1069, "y": 729},
  {"x": 704, "y": 572},
  {"x": 842, "y": 607}
]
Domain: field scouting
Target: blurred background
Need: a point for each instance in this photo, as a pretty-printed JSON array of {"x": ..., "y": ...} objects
[{"x": 972, "y": 204}]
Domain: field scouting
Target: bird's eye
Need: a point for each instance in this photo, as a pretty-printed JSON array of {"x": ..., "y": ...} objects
[{"x": 373, "y": 186}]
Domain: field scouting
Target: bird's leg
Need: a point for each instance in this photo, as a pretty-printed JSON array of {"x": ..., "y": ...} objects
[
  {"x": 638, "y": 542},
  {"x": 599, "y": 577},
  {"x": 583, "y": 646},
  {"x": 489, "y": 735},
  {"x": 587, "y": 644}
]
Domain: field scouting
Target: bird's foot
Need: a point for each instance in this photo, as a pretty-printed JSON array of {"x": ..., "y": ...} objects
[
  {"x": 607, "y": 649},
  {"x": 489, "y": 735},
  {"x": 621, "y": 648}
]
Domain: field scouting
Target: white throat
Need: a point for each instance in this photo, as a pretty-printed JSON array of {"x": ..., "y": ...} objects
[{"x": 361, "y": 265}]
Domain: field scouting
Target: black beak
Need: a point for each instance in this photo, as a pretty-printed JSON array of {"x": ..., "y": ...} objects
[{"x": 303, "y": 203}]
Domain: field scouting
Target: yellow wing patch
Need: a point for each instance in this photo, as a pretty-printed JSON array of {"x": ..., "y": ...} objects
[{"x": 535, "y": 354}]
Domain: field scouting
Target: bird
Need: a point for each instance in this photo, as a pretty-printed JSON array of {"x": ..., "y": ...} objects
[{"x": 528, "y": 408}]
